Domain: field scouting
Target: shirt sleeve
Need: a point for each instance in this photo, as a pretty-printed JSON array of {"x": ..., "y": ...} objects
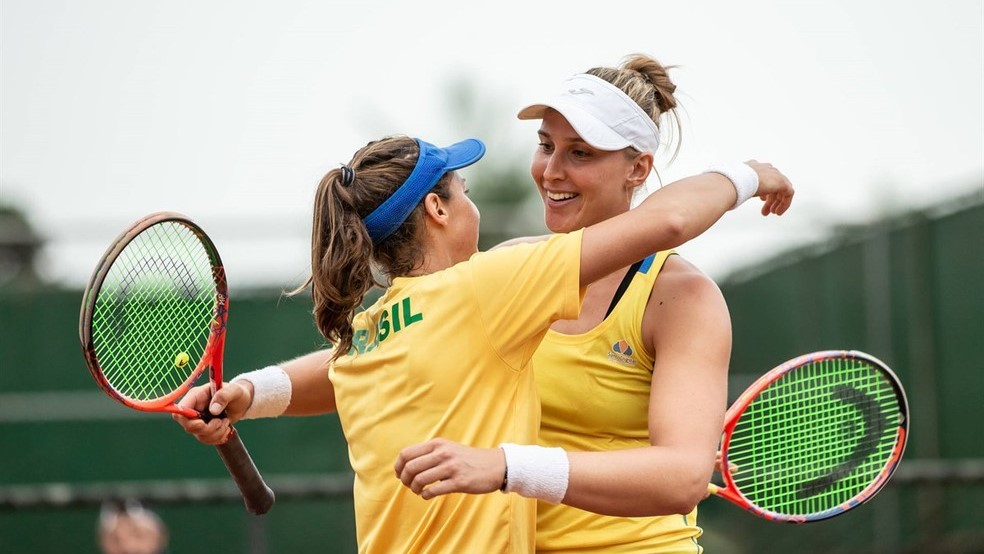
[{"x": 520, "y": 290}]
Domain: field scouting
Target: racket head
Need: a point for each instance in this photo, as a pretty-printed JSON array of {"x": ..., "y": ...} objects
[
  {"x": 815, "y": 437},
  {"x": 154, "y": 313}
]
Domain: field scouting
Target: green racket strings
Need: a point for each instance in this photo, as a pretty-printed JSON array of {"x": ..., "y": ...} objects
[
  {"x": 815, "y": 438},
  {"x": 152, "y": 315}
]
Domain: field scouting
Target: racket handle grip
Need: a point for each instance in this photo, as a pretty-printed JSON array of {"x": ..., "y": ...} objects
[{"x": 257, "y": 496}]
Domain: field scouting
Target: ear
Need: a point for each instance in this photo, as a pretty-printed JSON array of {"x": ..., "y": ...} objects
[
  {"x": 642, "y": 166},
  {"x": 436, "y": 209}
]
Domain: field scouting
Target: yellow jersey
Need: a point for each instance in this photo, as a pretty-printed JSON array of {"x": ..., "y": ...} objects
[
  {"x": 448, "y": 355},
  {"x": 594, "y": 392}
]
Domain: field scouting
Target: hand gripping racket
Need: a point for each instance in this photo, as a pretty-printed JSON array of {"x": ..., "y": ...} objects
[
  {"x": 813, "y": 438},
  {"x": 153, "y": 318}
]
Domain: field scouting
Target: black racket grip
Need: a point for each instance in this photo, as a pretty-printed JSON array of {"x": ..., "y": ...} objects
[{"x": 257, "y": 496}]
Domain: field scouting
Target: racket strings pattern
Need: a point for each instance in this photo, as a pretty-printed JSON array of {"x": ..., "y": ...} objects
[
  {"x": 155, "y": 305},
  {"x": 816, "y": 438}
]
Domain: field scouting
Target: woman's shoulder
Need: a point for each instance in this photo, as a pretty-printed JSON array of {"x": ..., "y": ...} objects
[
  {"x": 683, "y": 295},
  {"x": 532, "y": 257},
  {"x": 680, "y": 279},
  {"x": 521, "y": 240}
]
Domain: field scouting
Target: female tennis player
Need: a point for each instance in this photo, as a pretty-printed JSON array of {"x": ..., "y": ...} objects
[
  {"x": 445, "y": 351},
  {"x": 641, "y": 373}
]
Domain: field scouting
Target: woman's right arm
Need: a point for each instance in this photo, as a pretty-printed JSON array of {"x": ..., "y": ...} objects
[
  {"x": 310, "y": 393},
  {"x": 671, "y": 216}
]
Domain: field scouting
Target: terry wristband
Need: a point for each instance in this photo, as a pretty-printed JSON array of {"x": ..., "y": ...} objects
[
  {"x": 536, "y": 471},
  {"x": 742, "y": 176},
  {"x": 271, "y": 392}
]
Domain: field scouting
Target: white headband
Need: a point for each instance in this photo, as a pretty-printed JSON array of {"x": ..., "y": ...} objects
[{"x": 603, "y": 115}]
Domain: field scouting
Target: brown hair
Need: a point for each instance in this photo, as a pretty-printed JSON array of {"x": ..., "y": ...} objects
[
  {"x": 647, "y": 82},
  {"x": 343, "y": 255}
]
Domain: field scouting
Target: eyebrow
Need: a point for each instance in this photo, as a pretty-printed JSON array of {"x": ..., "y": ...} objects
[{"x": 575, "y": 138}]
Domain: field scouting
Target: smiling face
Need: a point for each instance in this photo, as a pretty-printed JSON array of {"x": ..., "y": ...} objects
[{"x": 579, "y": 184}]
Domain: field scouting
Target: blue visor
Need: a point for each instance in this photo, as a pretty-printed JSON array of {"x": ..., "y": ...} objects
[{"x": 432, "y": 164}]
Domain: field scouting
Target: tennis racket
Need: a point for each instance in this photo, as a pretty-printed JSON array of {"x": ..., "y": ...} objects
[
  {"x": 813, "y": 438},
  {"x": 154, "y": 318}
]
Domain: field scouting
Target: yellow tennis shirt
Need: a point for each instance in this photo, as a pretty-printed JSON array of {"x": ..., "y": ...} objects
[
  {"x": 448, "y": 355},
  {"x": 594, "y": 391}
]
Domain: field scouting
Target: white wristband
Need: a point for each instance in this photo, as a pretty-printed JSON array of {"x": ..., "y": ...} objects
[
  {"x": 271, "y": 391},
  {"x": 742, "y": 176},
  {"x": 536, "y": 471}
]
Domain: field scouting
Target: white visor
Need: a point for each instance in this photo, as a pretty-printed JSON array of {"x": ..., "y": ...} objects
[{"x": 603, "y": 115}]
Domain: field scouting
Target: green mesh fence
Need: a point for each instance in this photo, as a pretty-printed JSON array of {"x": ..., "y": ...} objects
[
  {"x": 816, "y": 438},
  {"x": 150, "y": 325}
]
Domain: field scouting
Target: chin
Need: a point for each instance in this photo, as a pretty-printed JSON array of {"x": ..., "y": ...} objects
[
  {"x": 562, "y": 221},
  {"x": 564, "y": 227}
]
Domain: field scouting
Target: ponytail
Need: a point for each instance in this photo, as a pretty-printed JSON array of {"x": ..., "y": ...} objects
[{"x": 341, "y": 268}]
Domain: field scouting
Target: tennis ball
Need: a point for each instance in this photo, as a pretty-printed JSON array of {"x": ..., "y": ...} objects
[{"x": 181, "y": 359}]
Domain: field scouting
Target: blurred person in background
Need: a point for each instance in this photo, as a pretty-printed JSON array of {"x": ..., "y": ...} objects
[{"x": 126, "y": 527}]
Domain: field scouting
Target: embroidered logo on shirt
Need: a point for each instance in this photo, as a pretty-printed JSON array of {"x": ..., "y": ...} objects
[{"x": 621, "y": 352}]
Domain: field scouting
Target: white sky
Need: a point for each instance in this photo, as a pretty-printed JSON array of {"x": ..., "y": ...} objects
[{"x": 230, "y": 112}]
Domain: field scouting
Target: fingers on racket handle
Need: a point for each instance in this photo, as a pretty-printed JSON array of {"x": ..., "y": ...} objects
[
  {"x": 259, "y": 498},
  {"x": 207, "y": 416}
]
